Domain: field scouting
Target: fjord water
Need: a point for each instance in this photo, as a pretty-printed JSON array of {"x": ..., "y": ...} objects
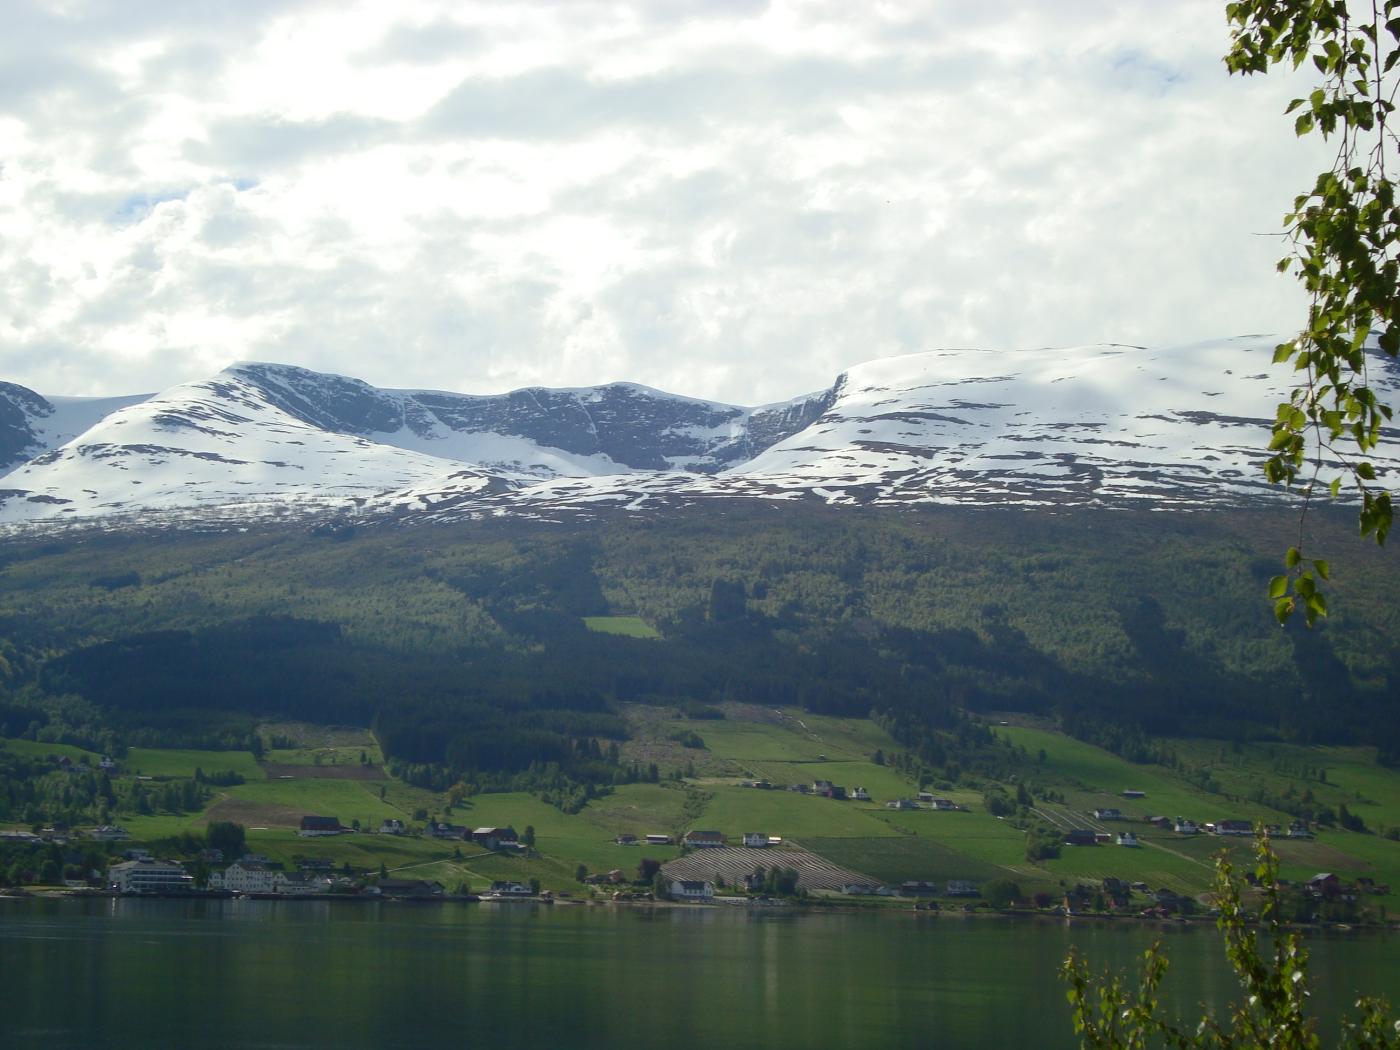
[{"x": 125, "y": 973}]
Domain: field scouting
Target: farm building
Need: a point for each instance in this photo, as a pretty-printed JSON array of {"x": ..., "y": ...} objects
[
  {"x": 704, "y": 839},
  {"x": 314, "y": 826},
  {"x": 692, "y": 890}
]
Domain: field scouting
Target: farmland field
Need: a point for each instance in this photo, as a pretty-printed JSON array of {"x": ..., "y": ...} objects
[
  {"x": 732, "y": 863},
  {"x": 735, "y": 810},
  {"x": 153, "y": 762},
  {"x": 628, "y": 626},
  {"x": 906, "y": 858}
]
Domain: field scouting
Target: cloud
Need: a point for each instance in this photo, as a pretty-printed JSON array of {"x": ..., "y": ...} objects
[{"x": 733, "y": 200}]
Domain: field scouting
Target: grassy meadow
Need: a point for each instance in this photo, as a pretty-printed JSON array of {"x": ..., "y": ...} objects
[{"x": 627, "y": 626}]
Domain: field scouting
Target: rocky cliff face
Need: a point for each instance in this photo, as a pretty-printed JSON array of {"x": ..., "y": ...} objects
[
  {"x": 630, "y": 426},
  {"x": 20, "y": 408}
]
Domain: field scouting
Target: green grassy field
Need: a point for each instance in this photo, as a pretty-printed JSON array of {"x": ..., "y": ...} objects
[
  {"x": 639, "y": 809},
  {"x": 976, "y": 834},
  {"x": 628, "y": 626},
  {"x": 1090, "y": 777},
  {"x": 905, "y": 858},
  {"x": 735, "y": 810},
  {"x": 1353, "y": 778},
  {"x": 32, "y": 749},
  {"x": 153, "y": 762},
  {"x": 788, "y": 737}
]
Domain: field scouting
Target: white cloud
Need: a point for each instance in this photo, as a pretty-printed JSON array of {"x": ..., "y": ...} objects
[{"x": 730, "y": 199}]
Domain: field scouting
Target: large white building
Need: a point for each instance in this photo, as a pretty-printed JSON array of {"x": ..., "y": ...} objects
[
  {"x": 245, "y": 876},
  {"x": 149, "y": 876},
  {"x": 302, "y": 883},
  {"x": 690, "y": 890}
]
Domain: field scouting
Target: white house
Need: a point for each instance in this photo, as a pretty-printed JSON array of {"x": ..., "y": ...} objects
[
  {"x": 301, "y": 883},
  {"x": 510, "y": 889},
  {"x": 245, "y": 876},
  {"x": 149, "y": 876},
  {"x": 755, "y": 840},
  {"x": 860, "y": 888},
  {"x": 1186, "y": 827},
  {"x": 688, "y": 890},
  {"x": 391, "y": 826},
  {"x": 860, "y": 795},
  {"x": 109, "y": 833},
  {"x": 1127, "y": 838},
  {"x": 1108, "y": 814},
  {"x": 1234, "y": 827},
  {"x": 658, "y": 840},
  {"x": 902, "y": 803}
]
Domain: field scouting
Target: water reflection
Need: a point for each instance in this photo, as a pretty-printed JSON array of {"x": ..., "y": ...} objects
[{"x": 272, "y": 974}]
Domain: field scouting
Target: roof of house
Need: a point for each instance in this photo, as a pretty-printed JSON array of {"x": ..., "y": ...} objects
[
  {"x": 319, "y": 822},
  {"x": 704, "y": 835}
]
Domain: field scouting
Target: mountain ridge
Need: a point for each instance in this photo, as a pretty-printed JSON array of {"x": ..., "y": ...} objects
[{"x": 1106, "y": 424}]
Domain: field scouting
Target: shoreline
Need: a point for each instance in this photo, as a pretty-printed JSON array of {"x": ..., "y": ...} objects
[{"x": 729, "y": 905}]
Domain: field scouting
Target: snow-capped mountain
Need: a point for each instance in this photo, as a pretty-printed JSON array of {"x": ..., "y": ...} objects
[{"x": 1110, "y": 425}]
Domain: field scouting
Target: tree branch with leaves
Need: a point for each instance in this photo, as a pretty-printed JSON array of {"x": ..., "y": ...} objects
[
  {"x": 1345, "y": 248},
  {"x": 1273, "y": 1011}
]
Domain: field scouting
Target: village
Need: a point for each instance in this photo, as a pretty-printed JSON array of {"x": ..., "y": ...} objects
[{"x": 755, "y": 867}]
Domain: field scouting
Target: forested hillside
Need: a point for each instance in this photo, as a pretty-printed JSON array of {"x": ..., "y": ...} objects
[{"x": 466, "y": 645}]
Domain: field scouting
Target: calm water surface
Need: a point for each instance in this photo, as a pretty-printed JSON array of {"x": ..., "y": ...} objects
[{"x": 266, "y": 974}]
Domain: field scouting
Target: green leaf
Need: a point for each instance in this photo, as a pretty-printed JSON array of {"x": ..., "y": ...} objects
[
  {"x": 1293, "y": 557},
  {"x": 1278, "y": 586},
  {"x": 1323, "y": 568}
]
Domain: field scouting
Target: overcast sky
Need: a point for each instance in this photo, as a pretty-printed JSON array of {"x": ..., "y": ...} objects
[{"x": 725, "y": 198}]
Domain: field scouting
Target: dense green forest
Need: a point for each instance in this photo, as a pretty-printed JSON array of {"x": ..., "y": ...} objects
[{"x": 465, "y": 646}]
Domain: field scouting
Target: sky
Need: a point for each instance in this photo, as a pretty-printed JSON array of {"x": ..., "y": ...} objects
[{"x": 731, "y": 199}]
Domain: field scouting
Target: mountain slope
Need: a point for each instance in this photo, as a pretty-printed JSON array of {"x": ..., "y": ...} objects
[
  {"x": 1094, "y": 425},
  {"x": 31, "y": 424}
]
